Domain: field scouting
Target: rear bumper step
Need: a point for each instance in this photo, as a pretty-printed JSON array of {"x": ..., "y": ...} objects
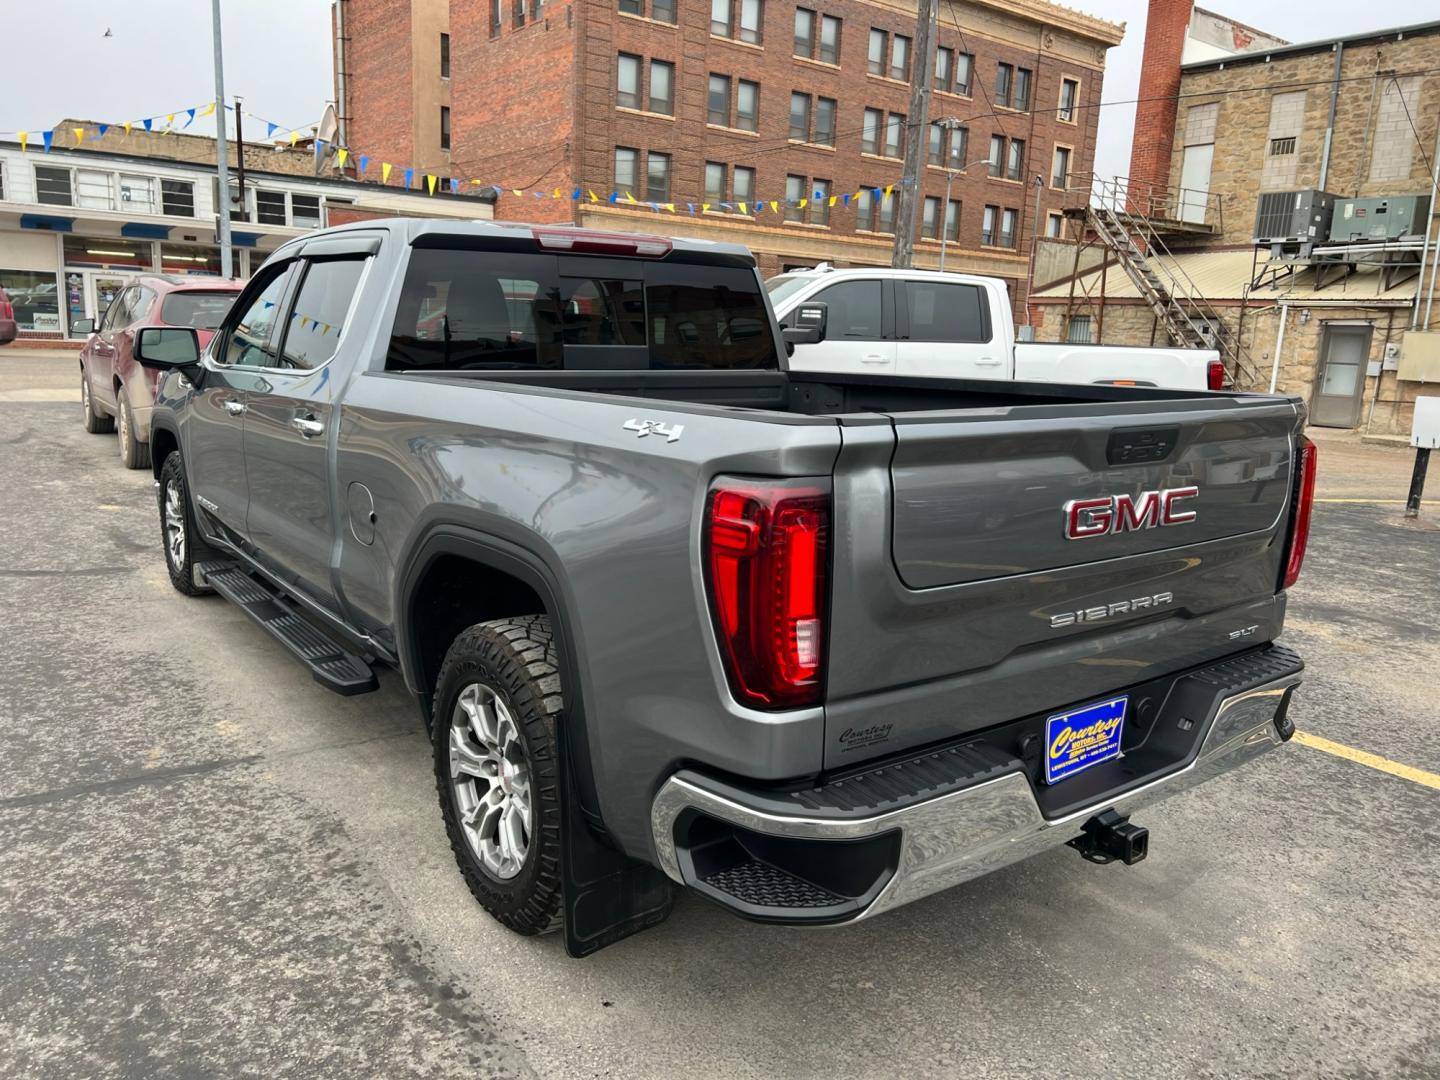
[
  {"x": 861, "y": 845},
  {"x": 332, "y": 667}
]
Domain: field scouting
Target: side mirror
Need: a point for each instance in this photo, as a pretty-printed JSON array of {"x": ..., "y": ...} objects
[
  {"x": 167, "y": 347},
  {"x": 810, "y": 322},
  {"x": 83, "y": 326}
]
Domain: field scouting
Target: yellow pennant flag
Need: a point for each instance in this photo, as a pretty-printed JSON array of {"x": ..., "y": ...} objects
[
  {"x": 385, "y": 172},
  {"x": 774, "y": 206},
  {"x": 704, "y": 206},
  {"x": 833, "y": 198},
  {"x": 804, "y": 203},
  {"x": 475, "y": 182},
  {"x": 341, "y": 155},
  {"x": 24, "y": 140},
  {"x": 516, "y": 192},
  {"x": 742, "y": 208},
  {"x": 670, "y": 206},
  {"x": 629, "y": 197},
  {"x": 127, "y": 127},
  {"x": 593, "y": 196},
  {"x": 430, "y": 183},
  {"x": 169, "y": 119},
  {"x": 888, "y": 189},
  {"x": 555, "y": 194},
  {"x": 208, "y": 110},
  {"x": 79, "y": 135}
]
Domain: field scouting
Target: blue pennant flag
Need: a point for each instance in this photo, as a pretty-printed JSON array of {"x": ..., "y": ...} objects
[
  {"x": 48, "y": 136},
  {"x": 691, "y": 205},
  {"x": 319, "y": 147},
  {"x": 454, "y": 185},
  {"x": 147, "y": 121},
  {"x": 726, "y": 206},
  {"x": 364, "y": 160},
  {"x": 270, "y": 128},
  {"x": 847, "y": 198},
  {"x": 103, "y": 128},
  {"x": 614, "y": 196},
  {"x": 191, "y": 114},
  {"x": 409, "y": 178},
  {"x": 820, "y": 195},
  {"x": 575, "y": 194}
]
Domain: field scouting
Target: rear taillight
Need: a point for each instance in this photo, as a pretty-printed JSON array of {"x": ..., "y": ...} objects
[
  {"x": 1302, "y": 502},
  {"x": 765, "y": 551},
  {"x": 1215, "y": 375},
  {"x": 602, "y": 243}
]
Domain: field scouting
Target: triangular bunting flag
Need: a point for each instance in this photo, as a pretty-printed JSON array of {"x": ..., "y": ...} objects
[
  {"x": 191, "y": 114},
  {"x": 294, "y": 137},
  {"x": 147, "y": 122},
  {"x": 593, "y": 196},
  {"x": 270, "y": 128},
  {"x": 670, "y": 206},
  {"x": 834, "y": 197},
  {"x": 208, "y": 109},
  {"x": 170, "y": 119},
  {"x": 127, "y": 127},
  {"x": 691, "y": 207},
  {"x": 430, "y": 183},
  {"x": 409, "y": 178},
  {"x": 341, "y": 155},
  {"x": 628, "y": 197},
  {"x": 704, "y": 206},
  {"x": 774, "y": 207},
  {"x": 79, "y": 135},
  {"x": 742, "y": 208},
  {"x": 614, "y": 196},
  {"x": 575, "y": 194},
  {"x": 556, "y": 194},
  {"x": 385, "y": 168},
  {"x": 49, "y": 137},
  {"x": 454, "y": 185},
  {"x": 889, "y": 188},
  {"x": 803, "y": 203},
  {"x": 24, "y": 140},
  {"x": 102, "y": 128},
  {"x": 516, "y": 192},
  {"x": 364, "y": 162}
]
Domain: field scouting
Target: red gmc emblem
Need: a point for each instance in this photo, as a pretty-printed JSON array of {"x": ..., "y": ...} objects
[{"x": 1085, "y": 518}]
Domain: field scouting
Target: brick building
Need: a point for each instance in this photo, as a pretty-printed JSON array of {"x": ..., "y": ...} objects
[
  {"x": 744, "y": 101},
  {"x": 1339, "y": 319}
]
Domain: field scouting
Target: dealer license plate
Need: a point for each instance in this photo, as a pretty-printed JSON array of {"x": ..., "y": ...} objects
[{"x": 1078, "y": 739}]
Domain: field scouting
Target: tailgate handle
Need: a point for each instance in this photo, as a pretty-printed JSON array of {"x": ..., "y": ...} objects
[{"x": 1141, "y": 446}]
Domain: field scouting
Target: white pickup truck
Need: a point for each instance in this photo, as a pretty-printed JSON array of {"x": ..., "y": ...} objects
[{"x": 953, "y": 326}]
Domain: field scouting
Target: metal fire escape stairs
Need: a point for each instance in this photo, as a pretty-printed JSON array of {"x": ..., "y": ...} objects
[{"x": 1136, "y": 242}]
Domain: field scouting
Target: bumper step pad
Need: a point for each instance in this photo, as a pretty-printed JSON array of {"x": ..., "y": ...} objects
[
  {"x": 331, "y": 666},
  {"x": 761, "y": 885}
]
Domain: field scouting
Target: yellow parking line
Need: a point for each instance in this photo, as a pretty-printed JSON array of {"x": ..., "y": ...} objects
[
  {"x": 1370, "y": 502},
  {"x": 1374, "y": 761}
]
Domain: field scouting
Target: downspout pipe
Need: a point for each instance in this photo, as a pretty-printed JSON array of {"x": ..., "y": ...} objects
[
  {"x": 1279, "y": 344},
  {"x": 1434, "y": 255},
  {"x": 1330, "y": 125}
]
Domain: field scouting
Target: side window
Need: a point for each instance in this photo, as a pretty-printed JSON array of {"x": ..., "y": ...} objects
[
  {"x": 250, "y": 341},
  {"x": 945, "y": 312},
  {"x": 114, "y": 313},
  {"x": 855, "y": 308},
  {"x": 138, "y": 308},
  {"x": 317, "y": 319}
]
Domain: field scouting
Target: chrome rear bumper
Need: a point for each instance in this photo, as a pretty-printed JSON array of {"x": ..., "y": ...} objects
[{"x": 968, "y": 833}]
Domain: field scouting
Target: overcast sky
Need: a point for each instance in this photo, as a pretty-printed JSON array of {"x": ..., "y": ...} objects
[{"x": 56, "y": 60}]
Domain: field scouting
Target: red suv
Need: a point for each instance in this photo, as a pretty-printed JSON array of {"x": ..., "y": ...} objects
[
  {"x": 112, "y": 384},
  {"x": 8, "y": 330}
]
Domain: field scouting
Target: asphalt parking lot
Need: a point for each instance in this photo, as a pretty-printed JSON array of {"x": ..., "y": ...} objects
[{"x": 210, "y": 866}]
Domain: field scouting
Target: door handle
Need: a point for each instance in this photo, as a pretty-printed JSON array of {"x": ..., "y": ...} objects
[
  {"x": 308, "y": 427},
  {"x": 987, "y": 361},
  {"x": 874, "y": 358},
  {"x": 233, "y": 407}
]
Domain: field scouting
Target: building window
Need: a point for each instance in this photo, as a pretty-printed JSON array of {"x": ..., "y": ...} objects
[
  {"x": 497, "y": 17},
  {"x": 714, "y": 181},
  {"x": 444, "y": 56},
  {"x": 518, "y": 13},
  {"x": 805, "y": 33},
  {"x": 662, "y": 87},
  {"x": 794, "y": 192},
  {"x": 627, "y": 81},
  {"x": 894, "y": 135},
  {"x": 935, "y": 153},
  {"x": 989, "y": 226},
  {"x": 52, "y": 186},
  {"x": 1287, "y": 122},
  {"x": 270, "y": 208},
  {"x": 1060, "y": 175},
  {"x": 632, "y": 7},
  {"x": 1004, "y": 84},
  {"x": 930, "y": 219},
  {"x": 747, "y": 105},
  {"x": 900, "y": 58},
  {"x": 964, "y": 66},
  {"x": 1069, "y": 98},
  {"x": 1078, "y": 332},
  {"x": 944, "y": 68},
  {"x": 1281, "y": 147},
  {"x": 870, "y": 132},
  {"x": 1055, "y": 226},
  {"x": 947, "y": 146},
  {"x": 305, "y": 211},
  {"x": 177, "y": 198},
  {"x": 1024, "y": 77},
  {"x": 625, "y": 161},
  {"x": 660, "y": 10},
  {"x": 1015, "y": 162},
  {"x": 820, "y": 202},
  {"x": 875, "y": 62},
  {"x": 137, "y": 194},
  {"x": 744, "y": 183},
  {"x": 718, "y": 103},
  {"x": 876, "y": 210},
  {"x": 444, "y": 127},
  {"x": 952, "y": 219},
  {"x": 657, "y": 177},
  {"x": 1008, "y": 220},
  {"x": 800, "y": 116},
  {"x": 996, "y": 161},
  {"x": 825, "y": 121},
  {"x": 751, "y": 21},
  {"x": 829, "y": 39}
]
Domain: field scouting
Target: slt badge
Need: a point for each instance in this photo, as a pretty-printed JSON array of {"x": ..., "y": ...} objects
[{"x": 642, "y": 428}]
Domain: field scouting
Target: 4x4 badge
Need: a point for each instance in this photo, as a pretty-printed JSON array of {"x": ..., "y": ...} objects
[{"x": 671, "y": 432}]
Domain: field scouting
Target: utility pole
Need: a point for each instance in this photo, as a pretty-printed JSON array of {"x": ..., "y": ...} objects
[
  {"x": 240, "y": 158},
  {"x": 222, "y": 150},
  {"x": 922, "y": 66},
  {"x": 1034, "y": 250}
]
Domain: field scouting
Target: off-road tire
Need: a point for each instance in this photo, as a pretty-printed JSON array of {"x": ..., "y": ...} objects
[
  {"x": 134, "y": 454},
  {"x": 516, "y": 658},
  {"x": 196, "y": 550},
  {"x": 97, "y": 423}
]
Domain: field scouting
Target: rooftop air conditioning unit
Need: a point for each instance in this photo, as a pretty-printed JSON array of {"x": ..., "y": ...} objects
[
  {"x": 1359, "y": 221},
  {"x": 1293, "y": 218}
]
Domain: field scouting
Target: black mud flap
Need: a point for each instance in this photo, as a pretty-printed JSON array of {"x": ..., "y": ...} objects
[{"x": 608, "y": 895}]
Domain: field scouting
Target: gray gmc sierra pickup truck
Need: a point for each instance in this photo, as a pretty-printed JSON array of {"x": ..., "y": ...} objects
[{"x": 811, "y": 645}]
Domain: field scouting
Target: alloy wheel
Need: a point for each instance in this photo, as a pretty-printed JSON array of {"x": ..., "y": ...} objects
[
  {"x": 174, "y": 524},
  {"x": 490, "y": 781},
  {"x": 124, "y": 423}
]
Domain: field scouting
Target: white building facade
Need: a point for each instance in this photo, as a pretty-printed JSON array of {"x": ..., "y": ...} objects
[{"x": 76, "y": 226}]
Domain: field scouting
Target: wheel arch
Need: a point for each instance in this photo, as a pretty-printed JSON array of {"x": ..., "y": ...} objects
[
  {"x": 502, "y": 579},
  {"x": 163, "y": 442}
]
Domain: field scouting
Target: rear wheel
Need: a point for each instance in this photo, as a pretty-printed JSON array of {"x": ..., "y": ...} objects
[
  {"x": 184, "y": 547},
  {"x": 97, "y": 423},
  {"x": 133, "y": 453},
  {"x": 497, "y": 701}
]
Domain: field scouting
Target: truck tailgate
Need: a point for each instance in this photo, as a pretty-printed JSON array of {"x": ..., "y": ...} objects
[{"x": 1038, "y": 556}]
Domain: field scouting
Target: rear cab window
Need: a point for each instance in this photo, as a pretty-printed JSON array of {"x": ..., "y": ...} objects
[
  {"x": 466, "y": 309},
  {"x": 202, "y": 310}
]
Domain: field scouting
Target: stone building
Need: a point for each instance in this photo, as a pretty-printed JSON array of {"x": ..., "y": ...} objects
[
  {"x": 1339, "y": 317},
  {"x": 744, "y": 102}
]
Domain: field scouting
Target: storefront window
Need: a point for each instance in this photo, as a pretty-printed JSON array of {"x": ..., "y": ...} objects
[
  {"x": 35, "y": 297},
  {"x": 109, "y": 252},
  {"x": 195, "y": 259}
]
